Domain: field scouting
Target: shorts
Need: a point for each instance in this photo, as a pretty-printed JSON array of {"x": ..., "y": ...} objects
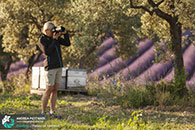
[{"x": 53, "y": 76}]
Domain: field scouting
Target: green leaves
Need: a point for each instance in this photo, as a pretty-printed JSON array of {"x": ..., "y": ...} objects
[
  {"x": 93, "y": 20},
  {"x": 88, "y": 21},
  {"x": 22, "y": 22}
]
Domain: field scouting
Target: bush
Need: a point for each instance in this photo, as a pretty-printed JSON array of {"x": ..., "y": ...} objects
[
  {"x": 191, "y": 98},
  {"x": 134, "y": 98},
  {"x": 161, "y": 93},
  {"x": 115, "y": 92},
  {"x": 167, "y": 94}
]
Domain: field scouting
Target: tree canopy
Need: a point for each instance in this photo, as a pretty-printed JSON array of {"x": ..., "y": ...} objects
[
  {"x": 90, "y": 21},
  {"x": 93, "y": 20},
  {"x": 23, "y": 21}
]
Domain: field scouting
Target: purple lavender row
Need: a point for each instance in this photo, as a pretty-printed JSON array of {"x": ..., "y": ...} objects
[
  {"x": 19, "y": 71},
  {"x": 189, "y": 63},
  {"x": 106, "y": 44},
  {"x": 191, "y": 83},
  {"x": 17, "y": 66},
  {"x": 138, "y": 66},
  {"x": 117, "y": 64},
  {"x": 156, "y": 72},
  {"x": 109, "y": 54}
]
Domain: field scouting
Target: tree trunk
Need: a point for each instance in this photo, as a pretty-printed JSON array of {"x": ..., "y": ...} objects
[
  {"x": 33, "y": 59},
  {"x": 5, "y": 69},
  {"x": 3, "y": 75},
  {"x": 179, "y": 74}
]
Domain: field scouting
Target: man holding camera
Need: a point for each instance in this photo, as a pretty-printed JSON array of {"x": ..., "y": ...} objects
[{"x": 49, "y": 43}]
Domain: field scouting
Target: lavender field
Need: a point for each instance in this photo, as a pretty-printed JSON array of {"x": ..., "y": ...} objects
[{"x": 140, "y": 68}]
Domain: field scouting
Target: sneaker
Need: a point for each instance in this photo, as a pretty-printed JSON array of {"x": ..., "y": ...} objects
[
  {"x": 53, "y": 114},
  {"x": 44, "y": 114}
]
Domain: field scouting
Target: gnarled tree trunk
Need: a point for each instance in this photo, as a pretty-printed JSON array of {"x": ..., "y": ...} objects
[
  {"x": 33, "y": 59},
  {"x": 5, "y": 69},
  {"x": 179, "y": 74}
]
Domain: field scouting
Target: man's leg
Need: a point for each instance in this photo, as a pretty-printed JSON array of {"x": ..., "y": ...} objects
[
  {"x": 53, "y": 97},
  {"x": 45, "y": 97}
]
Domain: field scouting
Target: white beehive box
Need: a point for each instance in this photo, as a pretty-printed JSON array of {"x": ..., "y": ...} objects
[
  {"x": 71, "y": 78},
  {"x": 63, "y": 84},
  {"x": 35, "y": 77},
  {"x": 76, "y": 78},
  {"x": 42, "y": 78},
  {"x": 64, "y": 69}
]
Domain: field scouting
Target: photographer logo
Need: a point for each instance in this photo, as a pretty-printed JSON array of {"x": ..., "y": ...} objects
[{"x": 8, "y": 122}]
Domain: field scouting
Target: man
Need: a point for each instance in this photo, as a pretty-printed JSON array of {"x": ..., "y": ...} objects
[{"x": 50, "y": 43}]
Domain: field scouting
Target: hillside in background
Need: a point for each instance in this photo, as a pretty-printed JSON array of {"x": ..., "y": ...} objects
[{"x": 139, "y": 68}]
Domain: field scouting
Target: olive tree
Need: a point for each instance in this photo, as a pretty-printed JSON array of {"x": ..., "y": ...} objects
[
  {"x": 22, "y": 24},
  {"x": 166, "y": 20}
]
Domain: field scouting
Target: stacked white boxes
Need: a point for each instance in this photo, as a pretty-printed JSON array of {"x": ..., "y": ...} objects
[
  {"x": 42, "y": 78},
  {"x": 76, "y": 77},
  {"x": 35, "y": 77},
  {"x": 71, "y": 78},
  {"x": 63, "y": 83}
]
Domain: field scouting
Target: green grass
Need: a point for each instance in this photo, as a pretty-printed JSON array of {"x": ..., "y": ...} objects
[{"x": 89, "y": 112}]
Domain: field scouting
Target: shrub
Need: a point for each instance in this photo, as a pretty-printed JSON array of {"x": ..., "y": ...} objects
[
  {"x": 167, "y": 94},
  {"x": 161, "y": 93},
  {"x": 115, "y": 92},
  {"x": 191, "y": 98},
  {"x": 134, "y": 98}
]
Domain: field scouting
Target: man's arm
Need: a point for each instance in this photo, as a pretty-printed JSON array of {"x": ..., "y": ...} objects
[
  {"x": 46, "y": 48},
  {"x": 64, "y": 41}
]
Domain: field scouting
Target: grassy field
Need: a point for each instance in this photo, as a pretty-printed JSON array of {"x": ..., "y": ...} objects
[{"x": 84, "y": 112}]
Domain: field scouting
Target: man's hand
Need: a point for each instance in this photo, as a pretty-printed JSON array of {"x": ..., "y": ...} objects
[{"x": 56, "y": 35}]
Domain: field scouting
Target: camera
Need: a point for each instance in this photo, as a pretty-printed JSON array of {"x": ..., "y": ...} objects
[{"x": 58, "y": 29}]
